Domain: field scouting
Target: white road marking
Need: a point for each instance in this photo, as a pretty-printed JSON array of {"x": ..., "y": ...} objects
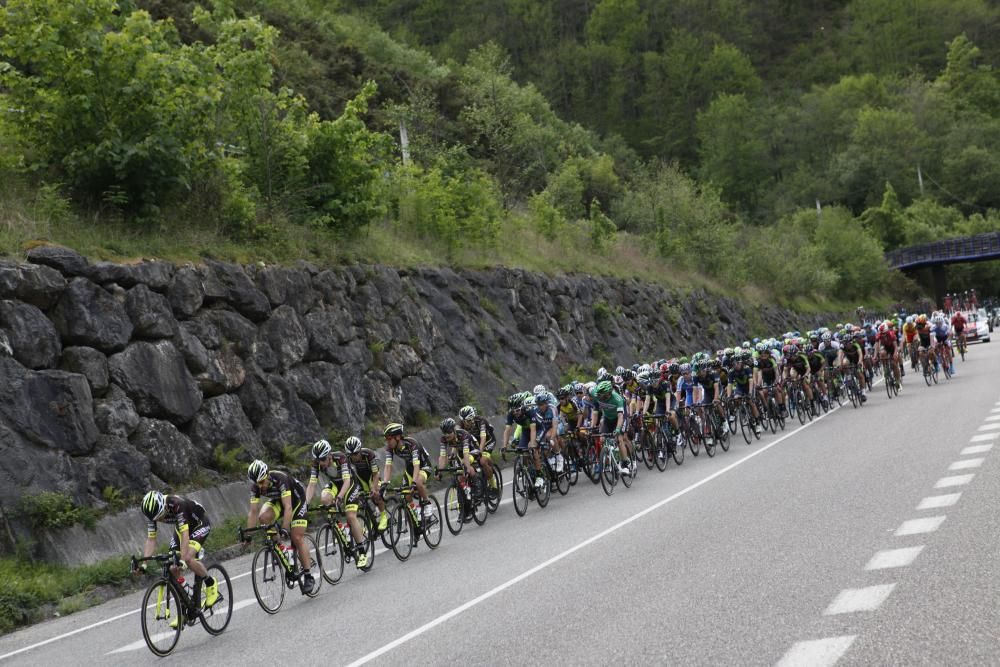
[
  {"x": 893, "y": 558},
  {"x": 135, "y": 646},
  {"x": 934, "y": 502},
  {"x": 988, "y": 427},
  {"x": 851, "y": 600},
  {"x": 919, "y": 526},
  {"x": 817, "y": 652},
  {"x": 984, "y": 437},
  {"x": 558, "y": 557},
  {"x": 964, "y": 464},
  {"x": 995, "y": 410},
  {"x": 992, "y": 418},
  {"x": 954, "y": 480},
  {"x": 976, "y": 449}
]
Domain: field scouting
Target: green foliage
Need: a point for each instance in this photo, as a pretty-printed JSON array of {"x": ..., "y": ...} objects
[
  {"x": 54, "y": 510},
  {"x": 602, "y": 314},
  {"x": 115, "y": 498},
  {"x": 602, "y": 228},
  {"x": 574, "y": 372},
  {"x": 230, "y": 461}
]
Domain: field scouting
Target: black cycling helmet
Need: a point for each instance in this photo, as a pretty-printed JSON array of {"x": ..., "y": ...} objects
[
  {"x": 466, "y": 413},
  {"x": 393, "y": 429},
  {"x": 448, "y": 426}
]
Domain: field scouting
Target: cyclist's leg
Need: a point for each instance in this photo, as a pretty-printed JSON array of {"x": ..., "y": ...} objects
[
  {"x": 353, "y": 499},
  {"x": 298, "y": 532}
]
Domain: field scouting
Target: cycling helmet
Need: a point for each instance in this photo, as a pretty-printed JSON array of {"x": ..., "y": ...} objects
[
  {"x": 635, "y": 367},
  {"x": 352, "y": 445},
  {"x": 909, "y": 319},
  {"x": 827, "y": 337},
  {"x": 528, "y": 403},
  {"x": 393, "y": 429},
  {"x": 859, "y": 335},
  {"x": 466, "y": 413},
  {"x": 745, "y": 345},
  {"x": 448, "y": 425},
  {"x": 602, "y": 374},
  {"x": 938, "y": 319},
  {"x": 620, "y": 370},
  {"x": 628, "y": 375},
  {"x": 257, "y": 471},
  {"x": 153, "y": 505},
  {"x": 674, "y": 368},
  {"x": 762, "y": 347},
  {"x": 563, "y": 392},
  {"x": 756, "y": 340},
  {"x": 544, "y": 397},
  {"x": 539, "y": 388},
  {"x": 685, "y": 368},
  {"x": 321, "y": 449},
  {"x": 645, "y": 368},
  {"x": 589, "y": 386},
  {"x": 514, "y": 401},
  {"x": 579, "y": 387},
  {"x": 810, "y": 348},
  {"x": 644, "y": 377},
  {"x": 605, "y": 388}
]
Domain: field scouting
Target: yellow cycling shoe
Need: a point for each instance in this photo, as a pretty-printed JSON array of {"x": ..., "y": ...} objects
[
  {"x": 174, "y": 619},
  {"x": 362, "y": 560},
  {"x": 383, "y": 521},
  {"x": 211, "y": 594}
]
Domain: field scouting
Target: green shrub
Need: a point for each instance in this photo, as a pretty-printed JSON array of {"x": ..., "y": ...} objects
[
  {"x": 55, "y": 510},
  {"x": 602, "y": 313},
  {"x": 229, "y": 461}
]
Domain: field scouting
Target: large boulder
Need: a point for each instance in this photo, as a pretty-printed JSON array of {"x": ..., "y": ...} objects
[
  {"x": 221, "y": 421},
  {"x": 65, "y": 261},
  {"x": 157, "y": 380},
  {"x": 234, "y": 328},
  {"x": 32, "y": 283},
  {"x": 287, "y": 419},
  {"x": 185, "y": 292},
  {"x": 88, "y": 315},
  {"x": 48, "y": 408},
  {"x": 32, "y": 337},
  {"x": 229, "y": 283},
  {"x": 116, "y": 464},
  {"x": 328, "y": 328},
  {"x": 285, "y": 286},
  {"x": 284, "y": 333},
  {"x": 335, "y": 393},
  {"x": 89, "y": 363},
  {"x": 115, "y": 414},
  {"x": 204, "y": 330},
  {"x": 27, "y": 469},
  {"x": 150, "y": 313},
  {"x": 194, "y": 352},
  {"x": 172, "y": 456},
  {"x": 223, "y": 373}
]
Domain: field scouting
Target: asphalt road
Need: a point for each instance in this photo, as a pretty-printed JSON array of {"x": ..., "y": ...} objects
[{"x": 868, "y": 537}]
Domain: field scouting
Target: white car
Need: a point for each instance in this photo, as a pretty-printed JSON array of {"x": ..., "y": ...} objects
[{"x": 977, "y": 328}]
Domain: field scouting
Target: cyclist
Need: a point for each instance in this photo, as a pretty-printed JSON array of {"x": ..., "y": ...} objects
[
  {"x": 339, "y": 490},
  {"x": 706, "y": 377},
  {"x": 942, "y": 340},
  {"x": 741, "y": 382},
  {"x": 457, "y": 444},
  {"x": 851, "y": 353},
  {"x": 518, "y": 419},
  {"x": 658, "y": 393},
  {"x": 365, "y": 470},
  {"x": 923, "y": 329},
  {"x": 477, "y": 424},
  {"x": 797, "y": 366},
  {"x": 765, "y": 377},
  {"x": 885, "y": 346},
  {"x": 958, "y": 326},
  {"x": 909, "y": 336},
  {"x": 418, "y": 461},
  {"x": 543, "y": 428},
  {"x": 610, "y": 408},
  {"x": 191, "y": 529},
  {"x": 286, "y": 500}
]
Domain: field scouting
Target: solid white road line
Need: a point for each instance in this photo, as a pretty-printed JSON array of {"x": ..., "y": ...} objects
[
  {"x": 988, "y": 427},
  {"x": 992, "y": 418},
  {"x": 558, "y": 557},
  {"x": 817, "y": 652},
  {"x": 893, "y": 558},
  {"x": 984, "y": 437},
  {"x": 135, "y": 646},
  {"x": 919, "y": 526},
  {"x": 851, "y": 600},
  {"x": 965, "y": 464},
  {"x": 935, "y": 502},
  {"x": 954, "y": 480},
  {"x": 975, "y": 449},
  {"x": 995, "y": 410}
]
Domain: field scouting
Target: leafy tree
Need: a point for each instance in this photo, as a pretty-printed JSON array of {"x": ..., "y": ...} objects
[
  {"x": 732, "y": 150},
  {"x": 886, "y": 222}
]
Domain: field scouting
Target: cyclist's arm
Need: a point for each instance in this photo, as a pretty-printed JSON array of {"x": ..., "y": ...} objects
[
  {"x": 311, "y": 486},
  {"x": 286, "y": 509},
  {"x": 150, "y": 545},
  {"x": 387, "y": 472},
  {"x": 254, "y": 511},
  {"x": 344, "y": 484},
  {"x": 532, "y": 432},
  {"x": 185, "y": 536}
]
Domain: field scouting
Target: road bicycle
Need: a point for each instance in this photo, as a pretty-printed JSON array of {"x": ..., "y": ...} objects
[
  {"x": 336, "y": 540},
  {"x": 944, "y": 359},
  {"x": 410, "y": 521},
  {"x": 891, "y": 382},
  {"x": 797, "y": 400},
  {"x": 276, "y": 567},
  {"x": 657, "y": 428},
  {"x": 850, "y": 379},
  {"x": 611, "y": 460},
  {"x": 464, "y": 499},
  {"x": 744, "y": 416},
  {"x": 528, "y": 484},
  {"x": 962, "y": 345},
  {"x": 691, "y": 433},
  {"x": 171, "y": 603}
]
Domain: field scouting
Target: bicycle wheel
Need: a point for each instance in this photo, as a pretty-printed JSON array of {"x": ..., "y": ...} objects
[
  {"x": 368, "y": 527},
  {"x": 694, "y": 437},
  {"x": 572, "y": 465},
  {"x": 800, "y": 406},
  {"x": 708, "y": 440},
  {"x": 609, "y": 470},
  {"x": 316, "y": 560},
  {"x": 268, "y": 580},
  {"x": 732, "y": 418},
  {"x": 521, "y": 489},
  {"x": 648, "y": 450},
  {"x": 777, "y": 413},
  {"x": 543, "y": 491},
  {"x": 678, "y": 453},
  {"x": 721, "y": 430},
  {"x": 432, "y": 523},
  {"x": 480, "y": 511},
  {"x": 493, "y": 493},
  {"x": 887, "y": 374},
  {"x": 454, "y": 508},
  {"x": 660, "y": 447},
  {"x": 333, "y": 554},
  {"x": 161, "y": 605},
  {"x": 562, "y": 482},
  {"x": 627, "y": 480},
  {"x": 402, "y": 530},
  {"x": 746, "y": 430},
  {"x": 215, "y": 619}
]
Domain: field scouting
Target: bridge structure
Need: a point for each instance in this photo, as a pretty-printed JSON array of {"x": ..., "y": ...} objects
[{"x": 938, "y": 254}]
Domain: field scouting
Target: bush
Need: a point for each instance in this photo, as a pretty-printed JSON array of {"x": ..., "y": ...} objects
[{"x": 55, "y": 510}]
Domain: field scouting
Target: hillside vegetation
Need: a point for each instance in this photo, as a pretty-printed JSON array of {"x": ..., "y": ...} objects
[{"x": 771, "y": 147}]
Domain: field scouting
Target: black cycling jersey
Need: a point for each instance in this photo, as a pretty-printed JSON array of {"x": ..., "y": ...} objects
[
  {"x": 183, "y": 513},
  {"x": 364, "y": 464},
  {"x": 816, "y": 361},
  {"x": 282, "y": 484},
  {"x": 410, "y": 451},
  {"x": 481, "y": 426},
  {"x": 464, "y": 444},
  {"x": 336, "y": 472}
]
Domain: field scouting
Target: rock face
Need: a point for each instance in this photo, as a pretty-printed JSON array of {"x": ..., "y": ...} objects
[{"x": 126, "y": 375}]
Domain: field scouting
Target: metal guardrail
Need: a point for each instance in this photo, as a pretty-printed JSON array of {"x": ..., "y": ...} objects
[{"x": 946, "y": 251}]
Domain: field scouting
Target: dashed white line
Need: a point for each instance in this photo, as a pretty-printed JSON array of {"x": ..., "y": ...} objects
[
  {"x": 817, "y": 652},
  {"x": 964, "y": 464},
  {"x": 988, "y": 427},
  {"x": 992, "y": 418},
  {"x": 935, "y": 502},
  {"x": 954, "y": 480},
  {"x": 851, "y": 600},
  {"x": 984, "y": 437},
  {"x": 995, "y": 410},
  {"x": 975, "y": 449},
  {"x": 919, "y": 526},
  {"x": 893, "y": 558}
]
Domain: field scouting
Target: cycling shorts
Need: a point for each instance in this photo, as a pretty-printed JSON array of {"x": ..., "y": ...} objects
[
  {"x": 299, "y": 519},
  {"x": 196, "y": 539}
]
